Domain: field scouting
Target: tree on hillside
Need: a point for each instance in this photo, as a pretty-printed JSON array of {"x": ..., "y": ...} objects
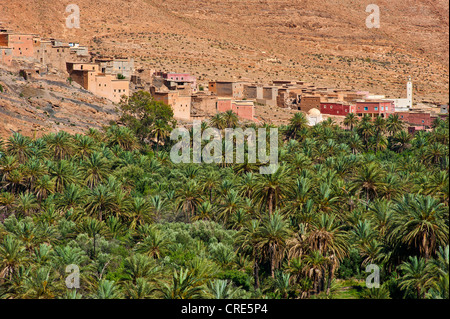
[{"x": 150, "y": 120}]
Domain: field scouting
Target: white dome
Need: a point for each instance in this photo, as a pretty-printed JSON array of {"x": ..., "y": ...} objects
[{"x": 314, "y": 112}]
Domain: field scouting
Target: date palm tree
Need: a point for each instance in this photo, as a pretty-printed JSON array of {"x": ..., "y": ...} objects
[
  {"x": 84, "y": 145},
  {"x": 218, "y": 121},
  {"x": 64, "y": 173},
  {"x": 107, "y": 289},
  {"x": 416, "y": 276},
  {"x": 44, "y": 187},
  {"x": 401, "y": 141},
  {"x": 20, "y": 147},
  {"x": 160, "y": 130},
  {"x": 154, "y": 245},
  {"x": 351, "y": 120},
  {"x": 230, "y": 119},
  {"x": 270, "y": 189},
  {"x": 60, "y": 145},
  {"x": 297, "y": 125},
  {"x": 231, "y": 204},
  {"x": 101, "y": 202},
  {"x": 142, "y": 289},
  {"x": 95, "y": 169},
  {"x": 369, "y": 181},
  {"x": 328, "y": 237},
  {"x": 12, "y": 255},
  {"x": 188, "y": 199},
  {"x": 315, "y": 267},
  {"x": 394, "y": 124},
  {"x": 139, "y": 210},
  {"x": 419, "y": 223},
  {"x": 221, "y": 289},
  {"x": 93, "y": 228},
  {"x": 185, "y": 284},
  {"x": 247, "y": 240},
  {"x": 272, "y": 237},
  {"x": 435, "y": 152},
  {"x": 140, "y": 266}
]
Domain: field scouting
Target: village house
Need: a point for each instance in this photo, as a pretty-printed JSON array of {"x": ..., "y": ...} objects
[
  {"x": 415, "y": 118},
  {"x": 253, "y": 91},
  {"x": 181, "y": 104},
  {"x": 309, "y": 102},
  {"x": 375, "y": 108},
  {"x": 231, "y": 89},
  {"x": 79, "y": 50},
  {"x": 242, "y": 108},
  {"x": 270, "y": 94},
  {"x": 20, "y": 43},
  {"x": 88, "y": 75},
  {"x": 180, "y": 81},
  {"x": 203, "y": 105},
  {"x": 120, "y": 65},
  {"x": 6, "y": 55},
  {"x": 337, "y": 108},
  {"x": 55, "y": 53}
]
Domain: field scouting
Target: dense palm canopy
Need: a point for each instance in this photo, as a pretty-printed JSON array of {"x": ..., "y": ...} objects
[{"x": 139, "y": 226}]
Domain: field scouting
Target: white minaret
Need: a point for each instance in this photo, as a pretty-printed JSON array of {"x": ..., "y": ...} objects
[{"x": 409, "y": 93}]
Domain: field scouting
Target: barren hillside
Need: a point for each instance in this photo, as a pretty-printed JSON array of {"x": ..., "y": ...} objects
[
  {"x": 48, "y": 105},
  {"x": 325, "y": 42}
]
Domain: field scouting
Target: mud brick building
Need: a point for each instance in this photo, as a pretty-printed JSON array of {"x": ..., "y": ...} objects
[
  {"x": 6, "y": 55},
  {"x": 181, "y": 104},
  {"x": 231, "y": 89},
  {"x": 88, "y": 75},
  {"x": 309, "y": 102},
  {"x": 203, "y": 104},
  {"x": 20, "y": 43},
  {"x": 253, "y": 91},
  {"x": 421, "y": 119},
  {"x": 120, "y": 65}
]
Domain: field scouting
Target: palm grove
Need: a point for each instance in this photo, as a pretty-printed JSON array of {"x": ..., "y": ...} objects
[{"x": 138, "y": 226}]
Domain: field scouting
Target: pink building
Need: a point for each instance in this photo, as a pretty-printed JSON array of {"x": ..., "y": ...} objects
[
  {"x": 178, "y": 79},
  {"x": 243, "y": 109},
  {"x": 21, "y": 44},
  {"x": 375, "y": 108}
]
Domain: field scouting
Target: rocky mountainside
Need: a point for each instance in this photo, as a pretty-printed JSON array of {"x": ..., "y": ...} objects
[{"x": 325, "y": 42}]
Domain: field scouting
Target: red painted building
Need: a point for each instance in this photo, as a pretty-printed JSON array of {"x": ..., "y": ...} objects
[
  {"x": 416, "y": 118},
  {"x": 337, "y": 108},
  {"x": 375, "y": 108}
]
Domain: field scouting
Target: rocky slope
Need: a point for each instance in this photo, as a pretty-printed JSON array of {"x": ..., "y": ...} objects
[
  {"x": 43, "y": 105},
  {"x": 326, "y": 42}
]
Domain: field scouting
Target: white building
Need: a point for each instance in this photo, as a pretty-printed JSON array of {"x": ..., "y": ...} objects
[
  {"x": 404, "y": 105},
  {"x": 314, "y": 117}
]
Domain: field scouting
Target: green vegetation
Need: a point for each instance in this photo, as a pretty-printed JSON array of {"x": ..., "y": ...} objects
[{"x": 139, "y": 226}]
